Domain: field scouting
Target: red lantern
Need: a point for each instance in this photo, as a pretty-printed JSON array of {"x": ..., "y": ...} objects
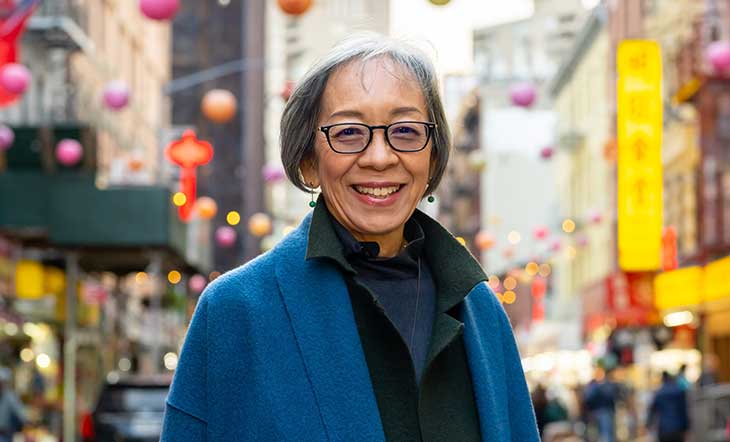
[
  {"x": 669, "y": 249},
  {"x": 188, "y": 152},
  {"x": 295, "y": 7},
  {"x": 12, "y": 24},
  {"x": 219, "y": 105}
]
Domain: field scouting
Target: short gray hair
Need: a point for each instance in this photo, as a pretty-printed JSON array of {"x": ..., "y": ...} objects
[{"x": 300, "y": 116}]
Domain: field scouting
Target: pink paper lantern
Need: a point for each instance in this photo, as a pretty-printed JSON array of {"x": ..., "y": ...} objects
[
  {"x": 116, "y": 95},
  {"x": 718, "y": 54},
  {"x": 159, "y": 9},
  {"x": 14, "y": 78},
  {"x": 556, "y": 245},
  {"x": 547, "y": 152},
  {"x": 523, "y": 94},
  {"x": 541, "y": 232},
  {"x": 582, "y": 241},
  {"x": 225, "y": 236},
  {"x": 69, "y": 152},
  {"x": 197, "y": 283},
  {"x": 595, "y": 217},
  {"x": 7, "y": 136},
  {"x": 273, "y": 173}
]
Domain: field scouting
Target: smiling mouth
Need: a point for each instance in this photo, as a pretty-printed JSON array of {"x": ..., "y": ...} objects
[{"x": 377, "y": 192}]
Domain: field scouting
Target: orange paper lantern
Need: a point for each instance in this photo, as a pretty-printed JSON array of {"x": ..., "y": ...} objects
[
  {"x": 295, "y": 7},
  {"x": 259, "y": 224},
  {"x": 484, "y": 240},
  {"x": 206, "y": 207},
  {"x": 219, "y": 105}
]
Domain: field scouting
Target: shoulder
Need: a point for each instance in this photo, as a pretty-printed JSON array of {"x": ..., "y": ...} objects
[
  {"x": 246, "y": 281},
  {"x": 484, "y": 301}
]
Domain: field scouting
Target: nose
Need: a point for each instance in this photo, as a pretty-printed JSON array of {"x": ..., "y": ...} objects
[{"x": 378, "y": 155}]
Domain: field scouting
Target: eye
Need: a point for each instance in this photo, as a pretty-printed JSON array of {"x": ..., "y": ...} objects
[{"x": 348, "y": 131}]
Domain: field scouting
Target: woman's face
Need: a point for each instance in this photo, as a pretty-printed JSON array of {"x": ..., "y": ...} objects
[{"x": 374, "y": 192}]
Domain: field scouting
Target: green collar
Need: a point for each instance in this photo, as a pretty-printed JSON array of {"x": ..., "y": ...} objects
[{"x": 455, "y": 270}]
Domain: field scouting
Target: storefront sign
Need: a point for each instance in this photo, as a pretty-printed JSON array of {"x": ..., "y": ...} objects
[
  {"x": 678, "y": 288},
  {"x": 639, "y": 155},
  {"x": 717, "y": 280}
]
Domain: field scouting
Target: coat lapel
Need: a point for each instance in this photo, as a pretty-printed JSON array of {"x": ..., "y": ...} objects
[
  {"x": 318, "y": 305},
  {"x": 483, "y": 340}
]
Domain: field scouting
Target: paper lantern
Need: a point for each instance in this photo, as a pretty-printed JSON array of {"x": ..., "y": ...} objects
[
  {"x": 595, "y": 217},
  {"x": 273, "y": 173},
  {"x": 718, "y": 55},
  {"x": 69, "y": 152},
  {"x": 116, "y": 95},
  {"x": 547, "y": 152},
  {"x": 259, "y": 224},
  {"x": 477, "y": 162},
  {"x": 523, "y": 94},
  {"x": 197, "y": 283},
  {"x": 29, "y": 283},
  {"x": 206, "y": 207},
  {"x": 225, "y": 236},
  {"x": 556, "y": 245},
  {"x": 159, "y": 9},
  {"x": 540, "y": 232},
  {"x": 287, "y": 90},
  {"x": 7, "y": 137},
  {"x": 188, "y": 152},
  {"x": 484, "y": 240},
  {"x": 14, "y": 78},
  {"x": 582, "y": 241},
  {"x": 294, "y": 7},
  {"x": 219, "y": 105},
  {"x": 135, "y": 163}
]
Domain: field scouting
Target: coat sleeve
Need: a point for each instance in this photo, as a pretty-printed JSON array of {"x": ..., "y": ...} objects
[
  {"x": 186, "y": 411},
  {"x": 523, "y": 426}
]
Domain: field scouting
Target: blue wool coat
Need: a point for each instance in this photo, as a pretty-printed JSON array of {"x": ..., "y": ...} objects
[{"x": 273, "y": 354}]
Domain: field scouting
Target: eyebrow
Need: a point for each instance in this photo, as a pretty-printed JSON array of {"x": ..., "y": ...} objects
[{"x": 358, "y": 114}]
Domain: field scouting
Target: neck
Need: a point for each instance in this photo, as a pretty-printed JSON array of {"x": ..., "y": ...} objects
[{"x": 390, "y": 243}]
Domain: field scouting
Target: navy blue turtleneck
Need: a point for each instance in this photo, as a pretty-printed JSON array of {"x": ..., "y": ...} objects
[{"x": 402, "y": 286}]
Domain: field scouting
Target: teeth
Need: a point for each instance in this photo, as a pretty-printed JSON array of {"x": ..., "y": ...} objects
[{"x": 380, "y": 192}]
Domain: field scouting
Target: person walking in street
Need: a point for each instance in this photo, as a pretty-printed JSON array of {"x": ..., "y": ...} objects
[
  {"x": 12, "y": 415},
  {"x": 599, "y": 399},
  {"x": 668, "y": 413},
  {"x": 370, "y": 321}
]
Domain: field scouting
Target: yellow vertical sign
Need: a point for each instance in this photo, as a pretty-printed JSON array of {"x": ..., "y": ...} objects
[{"x": 639, "y": 128}]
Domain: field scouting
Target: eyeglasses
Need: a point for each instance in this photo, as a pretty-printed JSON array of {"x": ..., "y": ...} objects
[{"x": 403, "y": 136}]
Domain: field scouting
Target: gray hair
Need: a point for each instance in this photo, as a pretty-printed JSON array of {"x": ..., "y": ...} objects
[{"x": 300, "y": 116}]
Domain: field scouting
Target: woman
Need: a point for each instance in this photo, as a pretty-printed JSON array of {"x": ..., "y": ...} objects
[{"x": 369, "y": 322}]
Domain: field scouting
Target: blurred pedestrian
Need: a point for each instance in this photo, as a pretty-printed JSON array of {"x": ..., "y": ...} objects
[
  {"x": 710, "y": 364},
  {"x": 369, "y": 321},
  {"x": 12, "y": 414},
  {"x": 668, "y": 411},
  {"x": 682, "y": 380},
  {"x": 539, "y": 402},
  {"x": 599, "y": 397}
]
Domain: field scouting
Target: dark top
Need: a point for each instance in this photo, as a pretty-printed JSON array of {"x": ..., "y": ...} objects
[
  {"x": 668, "y": 410},
  {"x": 402, "y": 285},
  {"x": 441, "y": 406}
]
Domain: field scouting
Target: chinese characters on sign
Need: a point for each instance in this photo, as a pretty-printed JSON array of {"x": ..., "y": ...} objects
[{"x": 639, "y": 128}]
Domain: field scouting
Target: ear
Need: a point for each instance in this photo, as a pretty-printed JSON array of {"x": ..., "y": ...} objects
[{"x": 308, "y": 168}]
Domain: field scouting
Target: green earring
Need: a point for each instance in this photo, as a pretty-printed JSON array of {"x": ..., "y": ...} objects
[
  {"x": 312, "y": 203},
  {"x": 431, "y": 199}
]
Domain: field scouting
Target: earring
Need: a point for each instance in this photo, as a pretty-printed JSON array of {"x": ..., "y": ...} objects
[
  {"x": 431, "y": 198},
  {"x": 312, "y": 203}
]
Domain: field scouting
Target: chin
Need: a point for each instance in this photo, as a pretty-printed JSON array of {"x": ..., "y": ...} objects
[{"x": 378, "y": 224}]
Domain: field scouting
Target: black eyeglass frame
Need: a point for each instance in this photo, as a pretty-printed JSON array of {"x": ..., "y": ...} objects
[{"x": 430, "y": 127}]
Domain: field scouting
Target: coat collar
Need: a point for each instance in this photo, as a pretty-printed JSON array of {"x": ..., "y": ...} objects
[{"x": 318, "y": 305}]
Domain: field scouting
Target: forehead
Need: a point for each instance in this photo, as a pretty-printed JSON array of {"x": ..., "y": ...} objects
[{"x": 377, "y": 81}]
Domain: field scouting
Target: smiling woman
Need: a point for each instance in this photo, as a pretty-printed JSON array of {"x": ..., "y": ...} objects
[{"x": 369, "y": 322}]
